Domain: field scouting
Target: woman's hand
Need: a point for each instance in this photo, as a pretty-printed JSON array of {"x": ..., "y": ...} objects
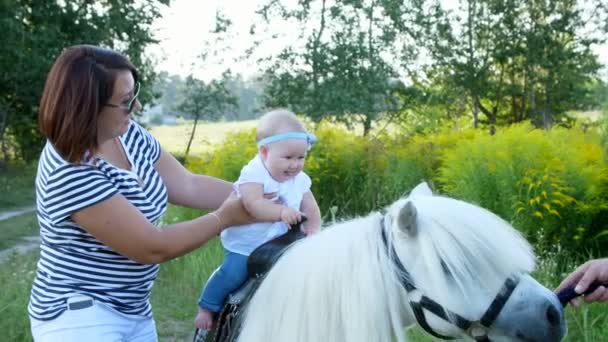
[
  {"x": 232, "y": 212},
  {"x": 593, "y": 271}
]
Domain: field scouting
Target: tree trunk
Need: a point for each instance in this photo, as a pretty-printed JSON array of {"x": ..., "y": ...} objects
[
  {"x": 317, "y": 109},
  {"x": 533, "y": 112},
  {"x": 475, "y": 112},
  {"x": 196, "y": 117},
  {"x": 3, "y": 143},
  {"x": 492, "y": 119},
  {"x": 367, "y": 125},
  {"x": 548, "y": 111}
]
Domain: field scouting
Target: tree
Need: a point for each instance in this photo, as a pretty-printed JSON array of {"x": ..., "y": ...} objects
[
  {"x": 346, "y": 64},
  {"x": 515, "y": 59},
  {"x": 200, "y": 100},
  {"x": 168, "y": 86},
  {"x": 34, "y": 34}
]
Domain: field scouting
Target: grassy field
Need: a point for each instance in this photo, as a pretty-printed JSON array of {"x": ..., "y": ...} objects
[
  {"x": 175, "y": 138},
  {"x": 179, "y": 284},
  {"x": 15, "y": 228},
  {"x": 17, "y": 186},
  {"x": 17, "y": 191}
]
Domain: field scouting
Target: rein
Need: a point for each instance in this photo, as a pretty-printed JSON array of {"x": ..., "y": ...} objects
[{"x": 419, "y": 302}]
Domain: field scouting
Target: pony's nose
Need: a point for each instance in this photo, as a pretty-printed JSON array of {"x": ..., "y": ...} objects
[
  {"x": 555, "y": 321},
  {"x": 555, "y": 317}
]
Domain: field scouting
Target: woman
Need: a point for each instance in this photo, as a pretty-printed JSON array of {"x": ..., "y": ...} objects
[{"x": 102, "y": 184}]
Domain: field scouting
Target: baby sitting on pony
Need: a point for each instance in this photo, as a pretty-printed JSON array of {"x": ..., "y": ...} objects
[{"x": 274, "y": 189}]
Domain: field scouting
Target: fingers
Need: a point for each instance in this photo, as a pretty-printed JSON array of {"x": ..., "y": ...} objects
[
  {"x": 204, "y": 320},
  {"x": 573, "y": 278},
  {"x": 232, "y": 212},
  {"x": 589, "y": 276},
  {"x": 290, "y": 216},
  {"x": 576, "y": 302},
  {"x": 599, "y": 295},
  {"x": 593, "y": 271}
]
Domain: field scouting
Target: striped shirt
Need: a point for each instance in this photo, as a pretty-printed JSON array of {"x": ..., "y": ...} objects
[{"x": 72, "y": 261}]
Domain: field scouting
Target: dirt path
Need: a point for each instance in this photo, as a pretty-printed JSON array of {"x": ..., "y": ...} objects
[
  {"x": 4, "y": 215},
  {"x": 27, "y": 242}
]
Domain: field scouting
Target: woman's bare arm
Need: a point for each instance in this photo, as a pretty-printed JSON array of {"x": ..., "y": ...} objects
[{"x": 121, "y": 226}]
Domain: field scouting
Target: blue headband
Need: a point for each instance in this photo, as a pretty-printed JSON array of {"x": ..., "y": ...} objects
[{"x": 310, "y": 138}]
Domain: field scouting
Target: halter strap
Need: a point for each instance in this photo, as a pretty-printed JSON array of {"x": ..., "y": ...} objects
[{"x": 478, "y": 330}]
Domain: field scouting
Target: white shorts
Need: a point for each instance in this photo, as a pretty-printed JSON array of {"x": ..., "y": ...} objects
[{"x": 87, "y": 320}]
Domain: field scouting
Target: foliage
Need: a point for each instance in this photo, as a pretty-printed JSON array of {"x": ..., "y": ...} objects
[
  {"x": 35, "y": 32},
  {"x": 204, "y": 100},
  {"x": 551, "y": 185},
  {"x": 245, "y": 91},
  {"x": 498, "y": 61},
  {"x": 345, "y": 65},
  {"x": 18, "y": 181},
  {"x": 15, "y": 229},
  {"x": 419, "y": 158},
  {"x": 228, "y": 158},
  {"x": 515, "y": 59},
  {"x": 16, "y": 275}
]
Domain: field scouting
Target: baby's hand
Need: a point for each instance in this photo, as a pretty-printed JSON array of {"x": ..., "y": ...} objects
[
  {"x": 204, "y": 319},
  {"x": 290, "y": 216},
  {"x": 309, "y": 230}
]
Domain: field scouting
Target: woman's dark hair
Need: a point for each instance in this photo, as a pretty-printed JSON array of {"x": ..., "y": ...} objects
[{"x": 79, "y": 84}]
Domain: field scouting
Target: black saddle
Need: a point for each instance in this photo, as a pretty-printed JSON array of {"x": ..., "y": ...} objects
[
  {"x": 264, "y": 257},
  {"x": 260, "y": 261}
]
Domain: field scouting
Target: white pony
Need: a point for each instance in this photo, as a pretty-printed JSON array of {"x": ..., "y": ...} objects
[{"x": 452, "y": 267}]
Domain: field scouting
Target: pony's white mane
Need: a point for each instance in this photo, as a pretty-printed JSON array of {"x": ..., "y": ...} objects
[{"x": 340, "y": 284}]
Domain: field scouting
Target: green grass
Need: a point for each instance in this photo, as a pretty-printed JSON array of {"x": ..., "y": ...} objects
[
  {"x": 17, "y": 186},
  {"x": 12, "y": 230},
  {"x": 180, "y": 281},
  {"x": 16, "y": 276}
]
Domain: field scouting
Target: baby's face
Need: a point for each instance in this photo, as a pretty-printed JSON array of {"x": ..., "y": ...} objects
[{"x": 285, "y": 159}]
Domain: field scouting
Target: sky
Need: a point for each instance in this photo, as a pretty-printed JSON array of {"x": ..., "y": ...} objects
[{"x": 183, "y": 34}]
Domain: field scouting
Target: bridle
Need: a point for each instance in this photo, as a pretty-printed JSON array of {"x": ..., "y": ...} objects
[{"x": 478, "y": 330}]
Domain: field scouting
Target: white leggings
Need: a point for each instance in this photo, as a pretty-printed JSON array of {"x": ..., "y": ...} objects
[{"x": 96, "y": 323}]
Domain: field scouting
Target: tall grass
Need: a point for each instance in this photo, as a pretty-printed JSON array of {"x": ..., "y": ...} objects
[
  {"x": 12, "y": 230},
  {"x": 179, "y": 284},
  {"x": 180, "y": 281},
  {"x": 17, "y": 186},
  {"x": 552, "y": 185},
  {"x": 16, "y": 275}
]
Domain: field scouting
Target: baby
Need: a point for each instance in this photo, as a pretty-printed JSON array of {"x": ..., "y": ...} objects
[{"x": 274, "y": 190}]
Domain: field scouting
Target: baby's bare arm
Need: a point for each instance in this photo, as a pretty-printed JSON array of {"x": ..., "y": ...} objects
[
  {"x": 261, "y": 208},
  {"x": 310, "y": 209}
]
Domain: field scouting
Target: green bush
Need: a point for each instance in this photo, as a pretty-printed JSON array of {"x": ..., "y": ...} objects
[{"x": 551, "y": 185}]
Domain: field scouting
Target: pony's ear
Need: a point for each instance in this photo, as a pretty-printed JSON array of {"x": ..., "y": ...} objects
[
  {"x": 406, "y": 219},
  {"x": 421, "y": 189}
]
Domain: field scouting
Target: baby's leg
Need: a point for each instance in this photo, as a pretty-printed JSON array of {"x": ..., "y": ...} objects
[{"x": 227, "y": 278}]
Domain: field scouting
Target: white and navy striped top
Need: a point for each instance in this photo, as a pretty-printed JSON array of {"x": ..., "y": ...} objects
[{"x": 72, "y": 261}]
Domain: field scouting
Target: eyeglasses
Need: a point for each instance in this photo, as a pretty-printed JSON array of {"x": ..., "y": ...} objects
[{"x": 129, "y": 105}]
